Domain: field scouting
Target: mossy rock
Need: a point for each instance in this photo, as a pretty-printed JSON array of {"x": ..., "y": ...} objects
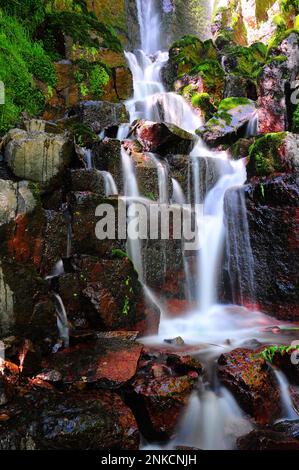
[
  {"x": 203, "y": 102},
  {"x": 246, "y": 61},
  {"x": 273, "y": 153},
  {"x": 224, "y": 127}
]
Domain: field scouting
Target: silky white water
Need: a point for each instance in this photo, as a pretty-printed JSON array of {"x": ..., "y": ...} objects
[
  {"x": 213, "y": 327},
  {"x": 110, "y": 185}
]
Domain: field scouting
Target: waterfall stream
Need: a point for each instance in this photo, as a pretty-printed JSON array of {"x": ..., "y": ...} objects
[{"x": 218, "y": 327}]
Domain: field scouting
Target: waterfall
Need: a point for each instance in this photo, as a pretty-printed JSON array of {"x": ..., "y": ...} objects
[
  {"x": 149, "y": 22},
  {"x": 178, "y": 196},
  {"x": 252, "y": 126},
  {"x": 87, "y": 155},
  {"x": 131, "y": 190},
  {"x": 110, "y": 185},
  {"x": 212, "y": 234},
  {"x": 285, "y": 397},
  {"x": 62, "y": 321},
  {"x": 162, "y": 179},
  {"x": 238, "y": 247}
]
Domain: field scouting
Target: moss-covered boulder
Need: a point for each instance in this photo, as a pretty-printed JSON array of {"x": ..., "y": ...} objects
[
  {"x": 274, "y": 153},
  {"x": 233, "y": 114}
]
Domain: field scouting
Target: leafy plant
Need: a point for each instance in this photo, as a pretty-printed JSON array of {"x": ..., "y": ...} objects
[{"x": 269, "y": 352}]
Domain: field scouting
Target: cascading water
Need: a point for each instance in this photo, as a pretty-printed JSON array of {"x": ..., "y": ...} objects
[
  {"x": 209, "y": 412},
  {"x": 288, "y": 411},
  {"x": 110, "y": 185},
  {"x": 62, "y": 322},
  {"x": 162, "y": 179}
]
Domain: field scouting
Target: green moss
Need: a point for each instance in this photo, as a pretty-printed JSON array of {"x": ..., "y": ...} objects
[
  {"x": 21, "y": 60},
  {"x": 295, "y": 125},
  {"x": 29, "y": 12},
  {"x": 264, "y": 156},
  {"x": 249, "y": 60},
  {"x": 261, "y": 9},
  {"x": 212, "y": 75},
  {"x": 230, "y": 103},
  {"x": 92, "y": 78},
  {"x": 203, "y": 101},
  {"x": 84, "y": 29}
]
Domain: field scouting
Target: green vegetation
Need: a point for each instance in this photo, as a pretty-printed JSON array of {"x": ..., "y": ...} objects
[
  {"x": 269, "y": 352},
  {"x": 295, "y": 126},
  {"x": 83, "y": 134},
  {"x": 264, "y": 154},
  {"x": 203, "y": 101},
  {"x": 118, "y": 253},
  {"x": 230, "y": 103},
  {"x": 21, "y": 61},
  {"x": 92, "y": 78},
  {"x": 84, "y": 29},
  {"x": 249, "y": 60}
]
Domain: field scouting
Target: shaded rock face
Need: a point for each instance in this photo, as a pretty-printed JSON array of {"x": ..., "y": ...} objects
[
  {"x": 107, "y": 157},
  {"x": 87, "y": 420},
  {"x": 252, "y": 382},
  {"x": 160, "y": 391},
  {"x": 267, "y": 440},
  {"x": 101, "y": 114},
  {"x": 37, "y": 156},
  {"x": 106, "y": 294},
  {"x": 236, "y": 86},
  {"x": 275, "y": 88},
  {"x": 272, "y": 206},
  {"x": 163, "y": 138}
]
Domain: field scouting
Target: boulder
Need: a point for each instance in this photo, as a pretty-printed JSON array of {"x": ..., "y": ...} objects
[
  {"x": 107, "y": 157},
  {"x": 163, "y": 138},
  {"x": 160, "y": 391},
  {"x": 15, "y": 199},
  {"x": 44, "y": 419},
  {"x": 87, "y": 180},
  {"x": 101, "y": 114},
  {"x": 106, "y": 294},
  {"x": 252, "y": 382},
  {"x": 37, "y": 156},
  {"x": 108, "y": 362},
  {"x": 232, "y": 116}
]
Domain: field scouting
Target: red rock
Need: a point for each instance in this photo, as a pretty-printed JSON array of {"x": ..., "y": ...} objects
[
  {"x": 109, "y": 362},
  {"x": 160, "y": 391},
  {"x": 246, "y": 374}
]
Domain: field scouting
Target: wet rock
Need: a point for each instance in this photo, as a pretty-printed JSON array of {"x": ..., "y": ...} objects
[
  {"x": 178, "y": 340},
  {"x": 123, "y": 83},
  {"x": 160, "y": 391},
  {"x": 271, "y": 204},
  {"x": 163, "y": 138},
  {"x": 101, "y": 114},
  {"x": 241, "y": 148},
  {"x": 252, "y": 382},
  {"x": 3, "y": 394},
  {"x": 233, "y": 114},
  {"x": 44, "y": 420},
  {"x": 267, "y": 440},
  {"x": 37, "y": 156},
  {"x": 108, "y": 295},
  {"x": 290, "y": 428},
  {"x": 108, "y": 362},
  {"x": 237, "y": 86},
  {"x": 83, "y": 206},
  {"x": 107, "y": 157},
  {"x": 87, "y": 180},
  {"x": 274, "y": 153},
  {"x": 16, "y": 199}
]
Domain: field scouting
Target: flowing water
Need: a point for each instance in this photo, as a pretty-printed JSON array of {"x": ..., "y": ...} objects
[
  {"x": 212, "y": 420},
  {"x": 110, "y": 185},
  {"x": 62, "y": 321}
]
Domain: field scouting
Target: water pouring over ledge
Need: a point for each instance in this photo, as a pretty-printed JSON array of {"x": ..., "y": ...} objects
[{"x": 209, "y": 323}]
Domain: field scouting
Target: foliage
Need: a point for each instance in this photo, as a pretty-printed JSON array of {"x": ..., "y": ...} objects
[
  {"x": 230, "y": 103},
  {"x": 83, "y": 134},
  {"x": 295, "y": 126},
  {"x": 264, "y": 156},
  {"x": 91, "y": 78},
  {"x": 30, "y": 12},
  {"x": 84, "y": 29},
  {"x": 269, "y": 352},
  {"x": 249, "y": 60},
  {"x": 21, "y": 60},
  {"x": 118, "y": 253}
]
